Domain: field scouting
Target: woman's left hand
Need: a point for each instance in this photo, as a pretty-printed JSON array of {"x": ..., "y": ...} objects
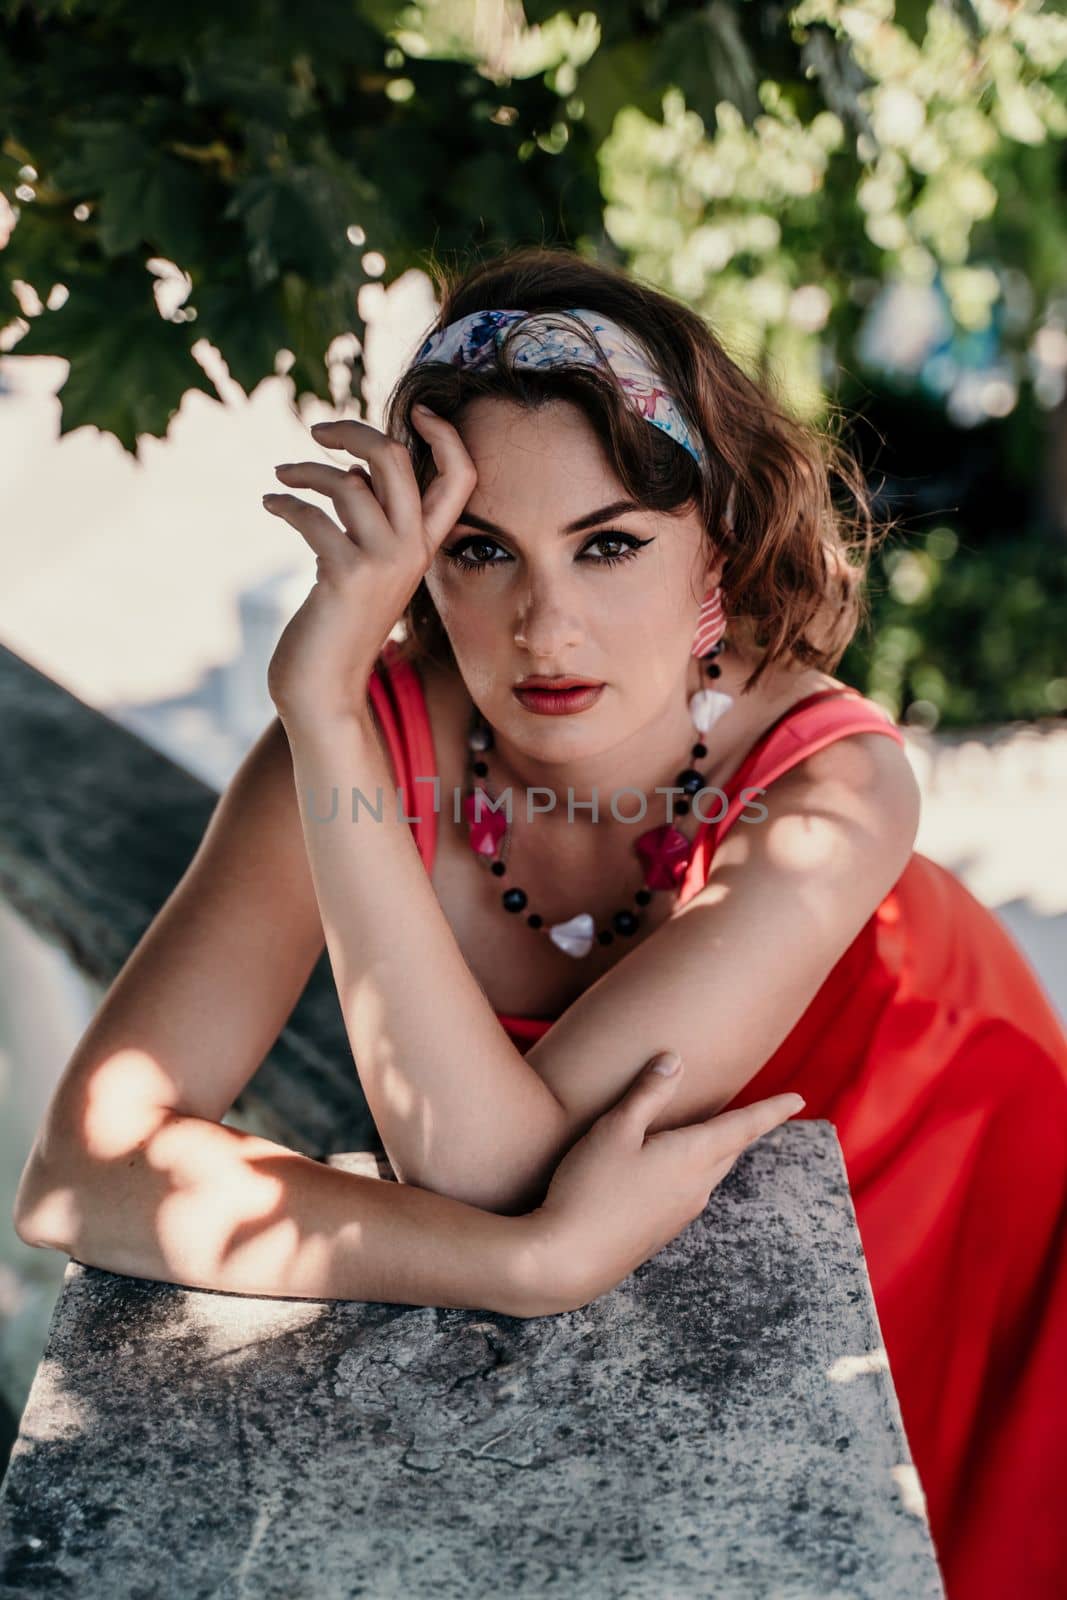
[{"x": 369, "y": 567}]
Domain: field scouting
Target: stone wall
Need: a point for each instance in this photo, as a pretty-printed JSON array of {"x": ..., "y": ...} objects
[{"x": 722, "y": 1424}]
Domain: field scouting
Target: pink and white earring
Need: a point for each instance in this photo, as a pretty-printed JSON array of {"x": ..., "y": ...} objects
[
  {"x": 711, "y": 625},
  {"x": 708, "y": 705}
]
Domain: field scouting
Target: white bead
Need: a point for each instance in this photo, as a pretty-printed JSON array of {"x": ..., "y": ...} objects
[
  {"x": 574, "y": 938},
  {"x": 707, "y": 706}
]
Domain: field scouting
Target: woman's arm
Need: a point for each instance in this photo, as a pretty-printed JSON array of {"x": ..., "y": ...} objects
[
  {"x": 183, "y": 1200},
  {"x": 457, "y": 1106},
  {"x": 131, "y": 1170}
]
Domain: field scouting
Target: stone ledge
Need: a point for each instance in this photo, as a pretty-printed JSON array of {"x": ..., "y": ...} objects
[{"x": 722, "y": 1424}]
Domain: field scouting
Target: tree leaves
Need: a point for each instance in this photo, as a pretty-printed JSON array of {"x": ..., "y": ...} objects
[
  {"x": 294, "y": 219},
  {"x": 128, "y": 367},
  {"x": 735, "y": 151},
  {"x": 145, "y": 198}
]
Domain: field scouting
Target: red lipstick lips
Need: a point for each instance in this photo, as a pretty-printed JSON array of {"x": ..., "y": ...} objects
[
  {"x": 547, "y": 682},
  {"x": 555, "y": 697}
]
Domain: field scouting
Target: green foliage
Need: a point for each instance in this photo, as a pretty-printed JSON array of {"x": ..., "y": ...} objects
[
  {"x": 762, "y": 162},
  {"x": 132, "y": 362},
  {"x": 275, "y": 155},
  {"x": 771, "y": 165},
  {"x": 962, "y": 635},
  {"x": 880, "y": 153}
]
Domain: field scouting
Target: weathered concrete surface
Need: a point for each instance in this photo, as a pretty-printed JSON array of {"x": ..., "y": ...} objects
[
  {"x": 723, "y": 1424},
  {"x": 96, "y": 828}
]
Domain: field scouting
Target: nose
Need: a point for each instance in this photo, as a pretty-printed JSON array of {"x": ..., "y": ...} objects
[{"x": 546, "y": 625}]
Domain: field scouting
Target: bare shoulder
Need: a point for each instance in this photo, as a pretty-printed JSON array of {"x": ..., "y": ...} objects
[
  {"x": 873, "y": 767},
  {"x": 853, "y": 807},
  {"x": 873, "y": 763},
  {"x": 871, "y": 759}
]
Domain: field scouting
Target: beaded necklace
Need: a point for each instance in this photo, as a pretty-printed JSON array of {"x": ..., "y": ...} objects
[{"x": 664, "y": 851}]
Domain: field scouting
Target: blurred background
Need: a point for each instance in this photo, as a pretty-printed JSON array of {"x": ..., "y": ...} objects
[{"x": 217, "y": 225}]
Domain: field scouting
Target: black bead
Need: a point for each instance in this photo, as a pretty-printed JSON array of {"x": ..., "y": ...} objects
[
  {"x": 714, "y": 650},
  {"x": 712, "y": 670},
  {"x": 605, "y": 936},
  {"x": 497, "y": 868},
  {"x": 681, "y": 808},
  {"x": 533, "y": 920},
  {"x": 480, "y": 768},
  {"x": 690, "y": 781},
  {"x": 513, "y": 899},
  {"x": 624, "y": 922},
  {"x": 698, "y": 751},
  {"x": 643, "y": 897}
]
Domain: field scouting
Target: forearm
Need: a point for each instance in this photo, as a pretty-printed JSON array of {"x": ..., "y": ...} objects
[
  {"x": 455, "y": 1104},
  {"x": 206, "y": 1206}
]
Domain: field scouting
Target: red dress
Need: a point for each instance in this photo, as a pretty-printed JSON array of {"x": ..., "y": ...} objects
[{"x": 935, "y": 1052}]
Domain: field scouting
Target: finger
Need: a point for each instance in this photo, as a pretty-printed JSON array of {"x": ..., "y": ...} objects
[
  {"x": 310, "y": 474},
  {"x": 652, "y": 1089},
  {"x": 734, "y": 1130},
  {"x": 457, "y": 476},
  {"x": 392, "y": 476},
  {"x": 712, "y": 1146},
  {"x": 359, "y": 513},
  {"x": 314, "y": 526}
]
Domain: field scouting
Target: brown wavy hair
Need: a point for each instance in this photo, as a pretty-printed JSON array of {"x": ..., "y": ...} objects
[{"x": 793, "y": 583}]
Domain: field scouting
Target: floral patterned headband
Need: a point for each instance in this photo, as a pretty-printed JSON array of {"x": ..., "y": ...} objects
[{"x": 475, "y": 340}]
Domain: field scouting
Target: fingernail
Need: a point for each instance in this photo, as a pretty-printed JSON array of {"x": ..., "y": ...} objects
[
  {"x": 801, "y": 1103},
  {"x": 667, "y": 1064}
]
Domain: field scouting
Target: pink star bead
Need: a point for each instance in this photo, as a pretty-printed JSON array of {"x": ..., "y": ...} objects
[
  {"x": 665, "y": 853},
  {"x": 486, "y": 830}
]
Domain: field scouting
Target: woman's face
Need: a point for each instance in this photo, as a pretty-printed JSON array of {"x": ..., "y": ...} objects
[{"x": 616, "y": 600}]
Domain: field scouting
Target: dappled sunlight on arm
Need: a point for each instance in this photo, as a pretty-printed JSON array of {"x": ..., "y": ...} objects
[
  {"x": 400, "y": 1094},
  {"x": 414, "y": 1111},
  {"x": 198, "y": 1204},
  {"x": 56, "y": 1214},
  {"x": 117, "y": 1097},
  {"x": 802, "y": 841}
]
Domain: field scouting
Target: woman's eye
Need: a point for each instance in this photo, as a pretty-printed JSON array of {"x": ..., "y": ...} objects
[
  {"x": 630, "y": 547},
  {"x": 629, "y": 542},
  {"x": 458, "y": 553}
]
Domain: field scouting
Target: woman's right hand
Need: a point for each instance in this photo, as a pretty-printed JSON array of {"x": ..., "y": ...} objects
[{"x": 620, "y": 1193}]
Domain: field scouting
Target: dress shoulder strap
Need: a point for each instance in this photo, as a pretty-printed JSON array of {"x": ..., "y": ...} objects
[
  {"x": 807, "y": 726},
  {"x": 395, "y": 692}
]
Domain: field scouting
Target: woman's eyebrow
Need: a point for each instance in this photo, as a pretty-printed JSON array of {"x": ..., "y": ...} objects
[{"x": 618, "y": 508}]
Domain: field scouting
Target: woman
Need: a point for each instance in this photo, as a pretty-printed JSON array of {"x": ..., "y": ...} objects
[{"x": 598, "y": 492}]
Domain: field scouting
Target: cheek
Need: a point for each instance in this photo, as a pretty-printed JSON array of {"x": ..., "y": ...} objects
[
  {"x": 650, "y": 615},
  {"x": 445, "y": 593},
  {"x": 464, "y": 611}
]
